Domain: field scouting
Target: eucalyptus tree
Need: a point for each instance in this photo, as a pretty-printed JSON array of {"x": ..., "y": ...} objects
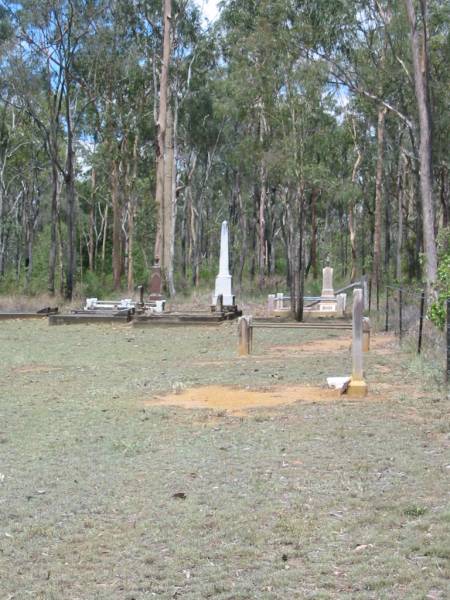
[{"x": 51, "y": 35}]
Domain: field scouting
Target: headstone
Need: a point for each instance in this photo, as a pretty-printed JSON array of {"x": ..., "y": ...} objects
[
  {"x": 223, "y": 280},
  {"x": 357, "y": 386},
  {"x": 341, "y": 303},
  {"x": 90, "y": 303},
  {"x": 327, "y": 283},
  {"x": 155, "y": 283},
  {"x": 270, "y": 303}
]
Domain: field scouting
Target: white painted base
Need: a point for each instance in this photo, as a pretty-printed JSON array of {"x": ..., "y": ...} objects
[{"x": 223, "y": 286}]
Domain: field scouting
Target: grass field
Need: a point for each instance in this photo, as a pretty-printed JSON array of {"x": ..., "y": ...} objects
[{"x": 107, "y": 494}]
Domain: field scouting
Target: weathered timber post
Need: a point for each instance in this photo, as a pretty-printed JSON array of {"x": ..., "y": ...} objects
[
  {"x": 366, "y": 334},
  {"x": 141, "y": 295},
  {"x": 422, "y": 310},
  {"x": 357, "y": 387},
  {"x": 245, "y": 335}
]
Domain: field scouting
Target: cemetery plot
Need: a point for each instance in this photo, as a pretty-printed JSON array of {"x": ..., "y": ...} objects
[{"x": 111, "y": 490}]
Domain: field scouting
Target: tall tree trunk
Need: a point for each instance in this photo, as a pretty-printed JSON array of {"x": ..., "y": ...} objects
[
  {"x": 53, "y": 251},
  {"x": 243, "y": 227},
  {"x": 117, "y": 225},
  {"x": 419, "y": 50},
  {"x": 351, "y": 207},
  {"x": 131, "y": 215},
  {"x": 444, "y": 196},
  {"x": 169, "y": 203},
  {"x": 262, "y": 222},
  {"x": 105, "y": 236},
  {"x": 376, "y": 267},
  {"x": 313, "y": 259},
  {"x": 91, "y": 233},
  {"x": 400, "y": 194},
  {"x": 161, "y": 135},
  {"x": 71, "y": 201}
]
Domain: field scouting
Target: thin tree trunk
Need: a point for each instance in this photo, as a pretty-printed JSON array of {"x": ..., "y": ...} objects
[
  {"x": 117, "y": 225},
  {"x": 131, "y": 216},
  {"x": 161, "y": 135},
  {"x": 71, "y": 202},
  {"x": 444, "y": 195},
  {"x": 53, "y": 231},
  {"x": 376, "y": 267},
  {"x": 351, "y": 207},
  {"x": 262, "y": 222},
  {"x": 243, "y": 227},
  {"x": 400, "y": 194},
  {"x": 169, "y": 204},
  {"x": 91, "y": 234},
  {"x": 419, "y": 52},
  {"x": 105, "y": 235},
  {"x": 313, "y": 258}
]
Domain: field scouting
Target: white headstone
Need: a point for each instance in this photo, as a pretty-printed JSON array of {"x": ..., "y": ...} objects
[
  {"x": 327, "y": 283},
  {"x": 341, "y": 303},
  {"x": 223, "y": 280}
]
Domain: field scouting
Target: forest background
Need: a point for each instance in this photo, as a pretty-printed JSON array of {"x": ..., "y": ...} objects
[{"x": 129, "y": 130}]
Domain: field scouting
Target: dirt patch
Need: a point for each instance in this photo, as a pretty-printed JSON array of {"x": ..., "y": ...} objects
[
  {"x": 239, "y": 401},
  {"x": 386, "y": 343},
  {"x": 36, "y": 369},
  {"x": 316, "y": 346}
]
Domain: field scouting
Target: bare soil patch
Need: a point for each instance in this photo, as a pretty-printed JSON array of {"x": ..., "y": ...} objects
[
  {"x": 239, "y": 401},
  {"x": 331, "y": 345},
  {"x": 386, "y": 343}
]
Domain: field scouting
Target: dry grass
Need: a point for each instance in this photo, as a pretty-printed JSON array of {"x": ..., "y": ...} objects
[
  {"x": 20, "y": 303},
  {"x": 105, "y": 497}
]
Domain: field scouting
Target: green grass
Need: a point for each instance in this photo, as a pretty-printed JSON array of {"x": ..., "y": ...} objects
[{"x": 344, "y": 500}]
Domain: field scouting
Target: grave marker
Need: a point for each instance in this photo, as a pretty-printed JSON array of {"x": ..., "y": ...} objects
[
  {"x": 357, "y": 387},
  {"x": 327, "y": 283},
  {"x": 223, "y": 280}
]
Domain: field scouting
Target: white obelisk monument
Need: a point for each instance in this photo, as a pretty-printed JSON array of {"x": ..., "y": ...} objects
[{"x": 223, "y": 279}]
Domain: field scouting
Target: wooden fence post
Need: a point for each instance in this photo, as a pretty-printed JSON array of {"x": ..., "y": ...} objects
[
  {"x": 245, "y": 335},
  {"x": 357, "y": 386},
  {"x": 366, "y": 334}
]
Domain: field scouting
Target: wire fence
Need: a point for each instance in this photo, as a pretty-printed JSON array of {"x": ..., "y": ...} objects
[{"x": 404, "y": 311}]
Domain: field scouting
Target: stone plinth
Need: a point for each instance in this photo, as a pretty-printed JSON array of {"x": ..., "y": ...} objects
[{"x": 327, "y": 283}]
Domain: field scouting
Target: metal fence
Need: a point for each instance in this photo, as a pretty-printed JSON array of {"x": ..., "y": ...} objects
[{"x": 403, "y": 310}]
